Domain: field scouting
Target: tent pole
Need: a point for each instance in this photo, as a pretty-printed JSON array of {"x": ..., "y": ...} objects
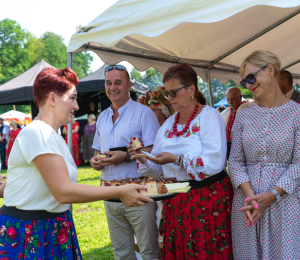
[
  {"x": 70, "y": 65},
  {"x": 209, "y": 88}
]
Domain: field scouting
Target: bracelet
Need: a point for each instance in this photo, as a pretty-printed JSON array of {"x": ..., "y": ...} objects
[
  {"x": 181, "y": 160},
  {"x": 177, "y": 160}
]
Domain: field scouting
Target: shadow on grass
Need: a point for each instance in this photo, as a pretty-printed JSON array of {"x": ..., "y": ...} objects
[
  {"x": 97, "y": 178},
  {"x": 85, "y": 166},
  {"x": 102, "y": 253}
]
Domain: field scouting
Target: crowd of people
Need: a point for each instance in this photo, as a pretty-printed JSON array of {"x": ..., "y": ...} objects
[{"x": 242, "y": 166}]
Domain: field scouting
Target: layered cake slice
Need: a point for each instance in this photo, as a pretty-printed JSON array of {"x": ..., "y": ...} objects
[
  {"x": 152, "y": 187},
  {"x": 136, "y": 143}
]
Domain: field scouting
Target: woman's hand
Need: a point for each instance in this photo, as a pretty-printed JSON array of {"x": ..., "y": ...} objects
[
  {"x": 131, "y": 197},
  {"x": 263, "y": 200},
  {"x": 247, "y": 214},
  {"x": 163, "y": 158}
]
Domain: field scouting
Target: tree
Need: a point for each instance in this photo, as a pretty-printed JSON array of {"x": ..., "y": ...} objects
[
  {"x": 135, "y": 74},
  {"x": 219, "y": 90},
  {"x": 21, "y": 108},
  {"x": 55, "y": 53},
  {"x": 14, "y": 57},
  {"x": 152, "y": 77},
  {"x": 20, "y": 50}
]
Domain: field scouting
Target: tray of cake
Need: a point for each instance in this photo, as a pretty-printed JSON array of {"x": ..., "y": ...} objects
[{"x": 158, "y": 189}]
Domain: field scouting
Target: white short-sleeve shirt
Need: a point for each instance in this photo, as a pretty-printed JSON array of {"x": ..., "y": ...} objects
[
  {"x": 135, "y": 120},
  {"x": 26, "y": 189}
]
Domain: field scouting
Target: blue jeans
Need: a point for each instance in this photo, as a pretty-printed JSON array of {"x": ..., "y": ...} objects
[{"x": 2, "y": 151}]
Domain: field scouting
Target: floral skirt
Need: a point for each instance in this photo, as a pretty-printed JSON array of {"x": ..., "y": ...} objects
[
  {"x": 196, "y": 225},
  {"x": 53, "y": 238}
]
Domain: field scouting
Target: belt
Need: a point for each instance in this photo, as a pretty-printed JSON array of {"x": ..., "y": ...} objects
[
  {"x": 208, "y": 181},
  {"x": 13, "y": 212}
]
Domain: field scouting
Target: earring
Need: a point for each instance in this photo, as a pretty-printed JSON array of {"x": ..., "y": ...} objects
[{"x": 192, "y": 97}]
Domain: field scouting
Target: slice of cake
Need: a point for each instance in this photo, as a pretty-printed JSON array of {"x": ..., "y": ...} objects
[
  {"x": 170, "y": 180},
  {"x": 102, "y": 156},
  {"x": 152, "y": 187},
  {"x": 105, "y": 183},
  {"x": 136, "y": 143},
  {"x": 161, "y": 188}
]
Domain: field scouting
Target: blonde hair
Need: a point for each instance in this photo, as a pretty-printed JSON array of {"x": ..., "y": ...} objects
[
  {"x": 92, "y": 116},
  {"x": 13, "y": 122},
  {"x": 261, "y": 59}
]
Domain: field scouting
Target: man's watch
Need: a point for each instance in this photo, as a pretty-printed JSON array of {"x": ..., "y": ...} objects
[
  {"x": 277, "y": 195},
  {"x": 127, "y": 159}
]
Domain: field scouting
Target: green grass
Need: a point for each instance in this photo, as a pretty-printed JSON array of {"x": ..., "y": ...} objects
[{"x": 90, "y": 221}]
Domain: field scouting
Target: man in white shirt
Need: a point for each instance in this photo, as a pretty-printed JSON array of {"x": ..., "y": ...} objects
[
  {"x": 115, "y": 126},
  {"x": 285, "y": 82},
  {"x": 2, "y": 143}
]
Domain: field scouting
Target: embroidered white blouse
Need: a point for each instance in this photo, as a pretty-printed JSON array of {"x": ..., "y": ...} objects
[{"x": 203, "y": 146}]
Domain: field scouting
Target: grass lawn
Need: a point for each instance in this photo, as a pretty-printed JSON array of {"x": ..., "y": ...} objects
[{"x": 90, "y": 221}]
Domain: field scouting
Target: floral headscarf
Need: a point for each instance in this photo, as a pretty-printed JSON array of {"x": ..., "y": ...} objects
[{"x": 158, "y": 99}]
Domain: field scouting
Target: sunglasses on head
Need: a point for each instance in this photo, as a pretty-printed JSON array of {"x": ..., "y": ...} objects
[
  {"x": 117, "y": 67},
  {"x": 250, "y": 78},
  {"x": 172, "y": 92}
]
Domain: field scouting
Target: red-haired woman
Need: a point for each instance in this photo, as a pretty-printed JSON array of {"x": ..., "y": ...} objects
[
  {"x": 75, "y": 142},
  {"x": 191, "y": 146},
  {"x": 35, "y": 221},
  {"x": 11, "y": 138}
]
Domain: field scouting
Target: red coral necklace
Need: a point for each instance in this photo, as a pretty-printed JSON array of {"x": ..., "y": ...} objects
[{"x": 187, "y": 124}]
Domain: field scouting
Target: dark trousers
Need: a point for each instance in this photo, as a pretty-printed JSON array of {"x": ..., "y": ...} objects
[{"x": 2, "y": 151}]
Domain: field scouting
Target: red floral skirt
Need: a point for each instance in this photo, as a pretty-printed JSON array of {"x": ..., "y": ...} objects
[
  {"x": 197, "y": 224},
  {"x": 49, "y": 239}
]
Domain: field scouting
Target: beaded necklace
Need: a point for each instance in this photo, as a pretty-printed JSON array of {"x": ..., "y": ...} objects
[{"x": 177, "y": 133}]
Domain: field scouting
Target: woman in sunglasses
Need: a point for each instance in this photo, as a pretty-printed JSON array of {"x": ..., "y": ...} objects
[
  {"x": 265, "y": 168},
  {"x": 191, "y": 146}
]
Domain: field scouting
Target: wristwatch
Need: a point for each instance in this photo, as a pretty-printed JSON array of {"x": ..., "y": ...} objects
[
  {"x": 127, "y": 159},
  {"x": 277, "y": 195}
]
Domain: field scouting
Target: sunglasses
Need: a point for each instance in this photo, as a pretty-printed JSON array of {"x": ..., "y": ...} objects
[
  {"x": 250, "y": 78},
  {"x": 172, "y": 92},
  {"x": 117, "y": 67}
]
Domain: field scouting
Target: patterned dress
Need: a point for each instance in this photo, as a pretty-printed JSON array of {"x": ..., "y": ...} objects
[
  {"x": 265, "y": 152},
  {"x": 13, "y": 135},
  {"x": 75, "y": 145}
]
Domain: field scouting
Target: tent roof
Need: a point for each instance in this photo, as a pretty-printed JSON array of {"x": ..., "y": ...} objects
[
  {"x": 223, "y": 101},
  {"x": 12, "y": 114},
  {"x": 20, "y": 88},
  {"x": 96, "y": 82},
  {"x": 215, "y": 34}
]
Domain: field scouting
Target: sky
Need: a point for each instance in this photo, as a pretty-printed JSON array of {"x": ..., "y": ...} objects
[{"x": 58, "y": 16}]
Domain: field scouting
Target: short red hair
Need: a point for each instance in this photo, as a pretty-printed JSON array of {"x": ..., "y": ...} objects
[
  {"x": 187, "y": 76},
  {"x": 53, "y": 80}
]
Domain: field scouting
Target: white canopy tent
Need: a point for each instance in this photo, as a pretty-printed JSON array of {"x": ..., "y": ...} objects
[{"x": 212, "y": 36}]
